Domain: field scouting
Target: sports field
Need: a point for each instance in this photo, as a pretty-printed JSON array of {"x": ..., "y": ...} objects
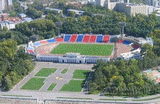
[{"x": 84, "y": 49}]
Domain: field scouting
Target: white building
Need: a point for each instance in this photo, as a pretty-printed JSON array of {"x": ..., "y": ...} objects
[
  {"x": 77, "y": 12},
  {"x": 154, "y": 3},
  {"x": 54, "y": 9},
  {"x": 129, "y": 8},
  {"x": 71, "y": 58},
  {"x": 8, "y": 24},
  {"x": 129, "y": 55},
  {"x": 100, "y": 2},
  {"x": 2, "y": 5}
]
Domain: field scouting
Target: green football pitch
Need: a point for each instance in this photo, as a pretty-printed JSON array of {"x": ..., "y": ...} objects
[{"x": 84, "y": 49}]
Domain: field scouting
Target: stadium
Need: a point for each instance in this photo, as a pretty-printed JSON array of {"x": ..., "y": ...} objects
[{"x": 86, "y": 48}]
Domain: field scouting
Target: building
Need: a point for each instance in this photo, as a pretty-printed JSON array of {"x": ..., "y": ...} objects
[
  {"x": 70, "y": 58},
  {"x": 129, "y": 8},
  {"x": 154, "y": 3},
  {"x": 54, "y": 9},
  {"x": 100, "y": 2},
  {"x": 22, "y": 15},
  {"x": 77, "y": 12},
  {"x": 153, "y": 74},
  {"x": 75, "y": 4},
  {"x": 4, "y": 4},
  {"x": 8, "y": 24},
  {"x": 9, "y": 2}
]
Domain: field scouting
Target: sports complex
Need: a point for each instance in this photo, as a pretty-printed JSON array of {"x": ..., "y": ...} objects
[
  {"x": 86, "y": 48},
  {"x": 55, "y": 80}
]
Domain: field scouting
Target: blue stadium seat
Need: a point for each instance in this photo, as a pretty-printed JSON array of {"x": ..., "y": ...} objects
[
  {"x": 126, "y": 42},
  {"x": 37, "y": 43},
  {"x": 99, "y": 38},
  {"x": 30, "y": 48},
  {"x": 67, "y": 38},
  {"x": 51, "y": 40},
  {"x": 79, "y": 38}
]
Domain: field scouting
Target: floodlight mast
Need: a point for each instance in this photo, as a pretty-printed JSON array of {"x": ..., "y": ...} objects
[
  {"x": 122, "y": 24},
  {"x": 59, "y": 24}
]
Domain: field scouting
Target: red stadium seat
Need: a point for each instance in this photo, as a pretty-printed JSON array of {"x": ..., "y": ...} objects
[
  {"x": 106, "y": 38},
  {"x": 135, "y": 46},
  {"x": 43, "y": 41},
  {"x": 120, "y": 41},
  {"x": 73, "y": 38},
  {"x": 86, "y": 38},
  {"x": 59, "y": 39},
  {"x": 93, "y": 38}
]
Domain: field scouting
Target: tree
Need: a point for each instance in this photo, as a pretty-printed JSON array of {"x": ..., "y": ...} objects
[
  {"x": 72, "y": 14},
  {"x": 7, "y": 84}
]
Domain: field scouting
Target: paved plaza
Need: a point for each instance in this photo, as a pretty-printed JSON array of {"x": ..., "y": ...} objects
[{"x": 52, "y": 78}]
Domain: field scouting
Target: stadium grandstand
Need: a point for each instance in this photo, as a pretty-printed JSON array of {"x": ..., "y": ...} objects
[{"x": 41, "y": 49}]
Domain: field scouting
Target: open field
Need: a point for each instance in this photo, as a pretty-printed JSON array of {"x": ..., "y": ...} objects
[
  {"x": 33, "y": 84},
  {"x": 81, "y": 74},
  {"x": 73, "y": 85},
  {"x": 52, "y": 86},
  {"x": 84, "y": 49},
  {"x": 46, "y": 72}
]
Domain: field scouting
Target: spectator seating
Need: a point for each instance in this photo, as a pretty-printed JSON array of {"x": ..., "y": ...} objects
[
  {"x": 51, "y": 40},
  {"x": 30, "y": 48},
  {"x": 120, "y": 41},
  {"x": 59, "y": 40},
  {"x": 126, "y": 42},
  {"x": 86, "y": 38},
  {"x": 135, "y": 46},
  {"x": 67, "y": 38},
  {"x": 99, "y": 38},
  {"x": 73, "y": 38},
  {"x": 37, "y": 43},
  {"x": 43, "y": 41},
  {"x": 30, "y": 51},
  {"x": 106, "y": 38},
  {"x": 80, "y": 38},
  {"x": 93, "y": 38}
]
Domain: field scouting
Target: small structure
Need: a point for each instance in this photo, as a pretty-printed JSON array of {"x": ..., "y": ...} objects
[
  {"x": 8, "y": 24},
  {"x": 54, "y": 9},
  {"x": 77, "y": 12},
  {"x": 22, "y": 15},
  {"x": 133, "y": 54},
  {"x": 27, "y": 19},
  {"x": 153, "y": 74}
]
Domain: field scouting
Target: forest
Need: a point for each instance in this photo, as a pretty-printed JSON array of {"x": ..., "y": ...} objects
[
  {"x": 14, "y": 64},
  {"x": 125, "y": 78}
]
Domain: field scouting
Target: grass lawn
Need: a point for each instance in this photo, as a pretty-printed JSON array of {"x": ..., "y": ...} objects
[
  {"x": 81, "y": 74},
  {"x": 84, "y": 49},
  {"x": 46, "y": 72},
  {"x": 114, "y": 99},
  {"x": 74, "y": 98},
  {"x": 52, "y": 86},
  {"x": 146, "y": 99},
  {"x": 73, "y": 85},
  {"x": 64, "y": 71},
  {"x": 33, "y": 84}
]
